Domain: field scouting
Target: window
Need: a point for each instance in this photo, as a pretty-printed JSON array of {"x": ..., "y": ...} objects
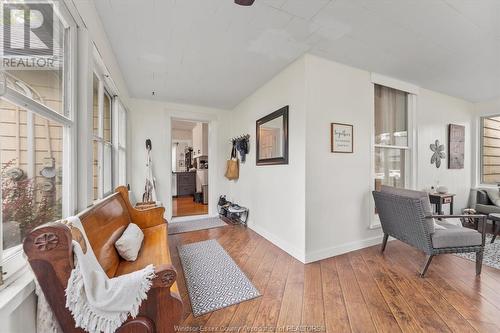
[
  {"x": 391, "y": 141},
  {"x": 391, "y": 137},
  {"x": 102, "y": 142},
  {"x": 109, "y": 137},
  {"x": 121, "y": 144},
  {"x": 36, "y": 136},
  {"x": 490, "y": 150}
]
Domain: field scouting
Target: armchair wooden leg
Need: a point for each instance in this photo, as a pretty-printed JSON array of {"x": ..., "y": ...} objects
[
  {"x": 496, "y": 230},
  {"x": 479, "y": 262},
  {"x": 384, "y": 243},
  {"x": 425, "y": 266}
]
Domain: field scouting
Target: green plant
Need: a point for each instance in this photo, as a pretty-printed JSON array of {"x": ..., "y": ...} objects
[{"x": 25, "y": 204}]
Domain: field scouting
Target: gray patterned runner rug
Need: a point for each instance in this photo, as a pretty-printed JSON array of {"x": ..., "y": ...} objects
[
  {"x": 491, "y": 256},
  {"x": 195, "y": 225},
  {"x": 213, "y": 279}
]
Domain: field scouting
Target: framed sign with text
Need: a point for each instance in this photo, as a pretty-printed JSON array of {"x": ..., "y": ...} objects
[{"x": 342, "y": 138}]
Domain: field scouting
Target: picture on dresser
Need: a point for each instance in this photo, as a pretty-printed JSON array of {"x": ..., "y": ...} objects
[{"x": 341, "y": 138}]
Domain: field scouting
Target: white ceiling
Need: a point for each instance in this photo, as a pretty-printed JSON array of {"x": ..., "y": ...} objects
[{"x": 215, "y": 53}]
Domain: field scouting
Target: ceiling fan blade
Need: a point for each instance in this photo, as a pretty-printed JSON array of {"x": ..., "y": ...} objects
[{"x": 244, "y": 2}]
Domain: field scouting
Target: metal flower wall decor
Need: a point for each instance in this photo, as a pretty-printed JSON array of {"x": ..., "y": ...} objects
[{"x": 439, "y": 153}]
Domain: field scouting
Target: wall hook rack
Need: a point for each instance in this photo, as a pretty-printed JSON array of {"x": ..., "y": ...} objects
[{"x": 241, "y": 137}]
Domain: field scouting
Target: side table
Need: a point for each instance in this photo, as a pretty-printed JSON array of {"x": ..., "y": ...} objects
[
  {"x": 495, "y": 219},
  {"x": 440, "y": 199}
]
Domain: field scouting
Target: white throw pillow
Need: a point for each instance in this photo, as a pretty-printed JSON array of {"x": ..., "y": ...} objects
[
  {"x": 494, "y": 195},
  {"x": 130, "y": 242}
]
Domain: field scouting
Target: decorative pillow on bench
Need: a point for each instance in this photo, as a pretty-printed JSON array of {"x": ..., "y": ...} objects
[{"x": 130, "y": 242}]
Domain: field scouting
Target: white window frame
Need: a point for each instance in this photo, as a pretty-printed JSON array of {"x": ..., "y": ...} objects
[
  {"x": 120, "y": 171},
  {"x": 102, "y": 92},
  {"x": 411, "y": 151},
  {"x": 106, "y": 86},
  {"x": 12, "y": 261}
]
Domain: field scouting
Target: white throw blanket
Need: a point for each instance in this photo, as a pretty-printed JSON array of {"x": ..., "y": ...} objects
[{"x": 98, "y": 303}]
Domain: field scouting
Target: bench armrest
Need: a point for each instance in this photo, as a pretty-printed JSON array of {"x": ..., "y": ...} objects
[
  {"x": 148, "y": 217},
  {"x": 165, "y": 276},
  {"x": 144, "y": 218}
]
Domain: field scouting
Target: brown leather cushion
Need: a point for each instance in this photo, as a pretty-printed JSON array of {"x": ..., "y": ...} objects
[
  {"x": 104, "y": 224},
  {"x": 154, "y": 251}
]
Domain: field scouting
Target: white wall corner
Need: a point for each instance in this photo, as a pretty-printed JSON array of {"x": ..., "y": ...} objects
[
  {"x": 286, "y": 246},
  {"x": 395, "y": 83},
  {"x": 341, "y": 249}
]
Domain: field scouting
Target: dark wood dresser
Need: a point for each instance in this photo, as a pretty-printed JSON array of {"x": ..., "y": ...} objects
[{"x": 186, "y": 183}]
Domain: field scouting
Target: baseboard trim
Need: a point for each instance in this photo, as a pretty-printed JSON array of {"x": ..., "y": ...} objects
[
  {"x": 279, "y": 242},
  {"x": 341, "y": 249}
]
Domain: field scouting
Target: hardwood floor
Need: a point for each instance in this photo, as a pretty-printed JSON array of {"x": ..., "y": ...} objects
[
  {"x": 185, "y": 206},
  {"x": 362, "y": 291}
]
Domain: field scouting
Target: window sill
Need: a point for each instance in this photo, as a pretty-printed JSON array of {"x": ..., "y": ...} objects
[
  {"x": 15, "y": 292},
  {"x": 494, "y": 186}
]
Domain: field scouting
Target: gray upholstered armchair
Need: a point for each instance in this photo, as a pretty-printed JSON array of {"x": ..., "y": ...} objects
[{"x": 406, "y": 215}]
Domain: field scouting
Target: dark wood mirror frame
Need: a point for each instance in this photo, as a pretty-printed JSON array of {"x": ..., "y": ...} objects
[{"x": 283, "y": 112}]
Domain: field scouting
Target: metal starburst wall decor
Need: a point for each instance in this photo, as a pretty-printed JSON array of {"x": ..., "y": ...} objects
[{"x": 439, "y": 153}]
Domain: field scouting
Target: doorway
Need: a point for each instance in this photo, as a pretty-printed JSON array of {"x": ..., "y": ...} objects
[{"x": 189, "y": 168}]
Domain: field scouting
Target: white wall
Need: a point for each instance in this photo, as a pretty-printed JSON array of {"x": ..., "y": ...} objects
[
  {"x": 275, "y": 194},
  {"x": 337, "y": 185},
  {"x": 318, "y": 206},
  {"x": 151, "y": 119},
  {"x": 435, "y": 112}
]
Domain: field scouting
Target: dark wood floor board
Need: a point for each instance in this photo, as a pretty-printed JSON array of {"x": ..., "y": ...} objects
[
  {"x": 446, "y": 284},
  {"x": 381, "y": 314},
  {"x": 223, "y": 317},
  {"x": 312, "y": 305},
  {"x": 291, "y": 305},
  {"x": 357, "y": 310},
  {"x": 336, "y": 318},
  {"x": 362, "y": 291},
  {"x": 270, "y": 305},
  {"x": 489, "y": 274},
  {"x": 187, "y": 238},
  {"x": 423, "y": 312},
  {"x": 186, "y": 206},
  {"x": 453, "y": 319},
  {"x": 484, "y": 327},
  {"x": 473, "y": 286},
  {"x": 483, "y": 286},
  {"x": 406, "y": 318},
  {"x": 230, "y": 238},
  {"x": 246, "y": 312}
]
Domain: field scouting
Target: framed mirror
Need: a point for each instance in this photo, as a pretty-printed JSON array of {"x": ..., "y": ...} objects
[{"x": 272, "y": 138}]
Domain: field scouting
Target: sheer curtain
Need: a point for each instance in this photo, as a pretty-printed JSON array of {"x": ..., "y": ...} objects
[{"x": 391, "y": 137}]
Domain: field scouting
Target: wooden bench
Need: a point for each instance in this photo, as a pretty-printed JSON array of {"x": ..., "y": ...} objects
[{"x": 50, "y": 255}]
